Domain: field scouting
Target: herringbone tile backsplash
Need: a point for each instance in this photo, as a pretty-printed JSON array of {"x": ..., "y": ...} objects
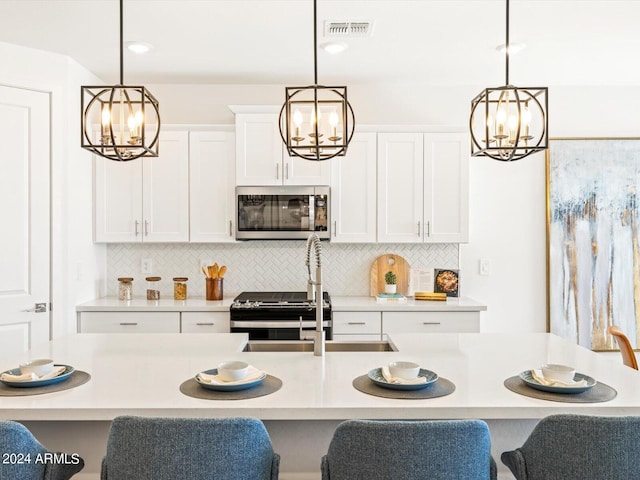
[{"x": 265, "y": 265}]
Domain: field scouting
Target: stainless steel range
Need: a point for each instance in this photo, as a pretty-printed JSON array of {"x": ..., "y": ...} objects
[{"x": 279, "y": 315}]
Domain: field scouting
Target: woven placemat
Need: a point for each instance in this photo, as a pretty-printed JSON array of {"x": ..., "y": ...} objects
[
  {"x": 191, "y": 388},
  {"x": 600, "y": 392},
  {"x": 77, "y": 378},
  {"x": 440, "y": 388}
]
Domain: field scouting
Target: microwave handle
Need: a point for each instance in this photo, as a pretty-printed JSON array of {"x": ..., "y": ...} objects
[{"x": 312, "y": 213}]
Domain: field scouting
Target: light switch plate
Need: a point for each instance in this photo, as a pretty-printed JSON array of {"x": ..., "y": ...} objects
[{"x": 484, "y": 266}]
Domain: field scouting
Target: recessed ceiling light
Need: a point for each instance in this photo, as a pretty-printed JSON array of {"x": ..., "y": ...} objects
[
  {"x": 513, "y": 48},
  {"x": 334, "y": 47},
  {"x": 139, "y": 47}
]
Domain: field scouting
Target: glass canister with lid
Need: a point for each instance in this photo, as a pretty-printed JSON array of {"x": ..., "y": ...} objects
[
  {"x": 180, "y": 288},
  {"x": 125, "y": 288},
  {"x": 153, "y": 288}
]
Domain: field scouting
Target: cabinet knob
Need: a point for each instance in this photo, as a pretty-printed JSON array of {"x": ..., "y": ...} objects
[
  {"x": 356, "y": 323},
  {"x": 205, "y": 324},
  {"x": 431, "y": 323},
  {"x": 128, "y": 323},
  {"x": 277, "y": 171},
  {"x": 418, "y": 227},
  {"x": 146, "y": 228},
  {"x": 286, "y": 171},
  {"x": 136, "y": 227}
]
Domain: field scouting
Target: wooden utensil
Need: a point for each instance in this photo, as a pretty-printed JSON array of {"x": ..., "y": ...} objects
[{"x": 389, "y": 263}]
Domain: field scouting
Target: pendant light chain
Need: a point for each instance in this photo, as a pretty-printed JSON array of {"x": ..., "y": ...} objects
[
  {"x": 121, "y": 43},
  {"x": 506, "y": 67}
]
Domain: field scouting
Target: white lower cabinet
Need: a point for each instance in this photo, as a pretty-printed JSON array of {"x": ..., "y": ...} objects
[
  {"x": 205, "y": 322},
  {"x": 348, "y": 326},
  {"x": 129, "y": 322},
  {"x": 430, "y": 322}
]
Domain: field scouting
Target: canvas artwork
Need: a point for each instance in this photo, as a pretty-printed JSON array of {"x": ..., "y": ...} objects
[{"x": 593, "y": 252}]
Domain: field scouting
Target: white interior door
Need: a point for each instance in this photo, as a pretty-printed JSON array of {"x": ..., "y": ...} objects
[{"x": 25, "y": 218}]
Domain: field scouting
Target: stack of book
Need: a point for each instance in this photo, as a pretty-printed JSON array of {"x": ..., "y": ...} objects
[{"x": 430, "y": 296}]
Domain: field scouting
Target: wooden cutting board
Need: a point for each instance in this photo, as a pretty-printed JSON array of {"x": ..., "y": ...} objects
[{"x": 389, "y": 263}]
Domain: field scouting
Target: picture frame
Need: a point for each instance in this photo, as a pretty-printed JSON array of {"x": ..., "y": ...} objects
[
  {"x": 446, "y": 280},
  {"x": 593, "y": 254}
]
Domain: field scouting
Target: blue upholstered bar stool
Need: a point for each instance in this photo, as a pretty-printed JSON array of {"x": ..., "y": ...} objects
[
  {"x": 579, "y": 447},
  {"x": 410, "y": 450},
  {"x": 141, "y": 448},
  {"x": 17, "y": 442}
]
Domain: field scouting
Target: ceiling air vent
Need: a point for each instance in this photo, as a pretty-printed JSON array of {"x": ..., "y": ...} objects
[{"x": 348, "y": 29}]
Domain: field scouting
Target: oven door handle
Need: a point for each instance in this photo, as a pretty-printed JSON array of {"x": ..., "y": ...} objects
[{"x": 277, "y": 324}]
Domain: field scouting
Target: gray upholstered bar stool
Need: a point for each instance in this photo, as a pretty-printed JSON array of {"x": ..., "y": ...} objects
[
  {"x": 410, "y": 450},
  {"x": 143, "y": 448},
  {"x": 579, "y": 447},
  {"x": 17, "y": 442}
]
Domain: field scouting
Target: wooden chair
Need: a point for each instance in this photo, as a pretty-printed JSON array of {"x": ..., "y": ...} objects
[{"x": 628, "y": 355}]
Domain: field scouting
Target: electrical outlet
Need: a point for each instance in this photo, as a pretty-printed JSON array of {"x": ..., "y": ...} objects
[
  {"x": 146, "y": 265},
  {"x": 485, "y": 266}
]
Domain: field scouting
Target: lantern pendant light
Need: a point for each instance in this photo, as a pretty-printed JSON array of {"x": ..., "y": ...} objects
[
  {"x": 316, "y": 122},
  {"x": 120, "y": 122},
  {"x": 509, "y": 123}
]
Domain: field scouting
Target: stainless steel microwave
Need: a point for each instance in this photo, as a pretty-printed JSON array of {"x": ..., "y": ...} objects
[{"x": 286, "y": 212}]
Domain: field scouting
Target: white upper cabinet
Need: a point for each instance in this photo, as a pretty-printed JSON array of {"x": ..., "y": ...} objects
[
  {"x": 212, "y": 186},
  {"x": 446, "y": 187},
  {"x": 422, "y": 187},
  {"x": 353, "y": 192},
  {"x": 146, "y": 199},
  {"x": 262, "y": 159},
  {"x": 400, "y": 187}
]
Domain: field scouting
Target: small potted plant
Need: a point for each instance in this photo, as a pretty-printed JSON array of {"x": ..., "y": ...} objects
[{"x": 390, "y": 280}]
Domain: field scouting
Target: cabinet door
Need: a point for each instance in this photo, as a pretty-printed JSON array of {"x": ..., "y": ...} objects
[
  {"x": 258, "y": 149},
  {"x": 400, "y": 187},
  {"x": 212, "y": 186},
  {"x": 353, "y": 192},
  {"x": 205, "y": 322},
  {"x": 129, "y": 322},
  {"x": 165, "y": 190},
  {"x": 430, "y": 322},
  {"x": 118, "y": 200},
  {"x": 446, "y": 187},
  {"x": 298, "y": 171}
]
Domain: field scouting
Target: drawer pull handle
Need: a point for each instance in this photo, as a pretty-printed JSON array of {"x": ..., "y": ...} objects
[
  {"x": 128, "y": 323},
  {"x": 431, "y": 323},
  {"x": 205, "y": 324},
  {"x": 356, "y": 323}
]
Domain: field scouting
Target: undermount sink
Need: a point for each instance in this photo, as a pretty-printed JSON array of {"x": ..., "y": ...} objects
[{"x": 305, "y": 346}]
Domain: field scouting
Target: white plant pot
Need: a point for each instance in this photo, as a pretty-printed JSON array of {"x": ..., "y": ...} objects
[{"x": 390, "y": 288}]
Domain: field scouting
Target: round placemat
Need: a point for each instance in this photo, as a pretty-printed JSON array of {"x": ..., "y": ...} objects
[
  {"x": 191, "y": 388},
  {"x": 440, "y": 388},
  {"x": 77, "y": 378},
  {"x": 600, "y": 392}
]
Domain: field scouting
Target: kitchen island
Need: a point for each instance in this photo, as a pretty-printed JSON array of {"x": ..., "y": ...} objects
[{"x": 140, "y": 374}]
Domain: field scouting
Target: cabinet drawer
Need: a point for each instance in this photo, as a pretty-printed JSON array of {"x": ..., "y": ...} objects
[
  {"x": 129, "y": 322},
  {"x": 205, "y": 322},
  {"x": 430, "y": 322},
  {"x": 357, "y": 323}
]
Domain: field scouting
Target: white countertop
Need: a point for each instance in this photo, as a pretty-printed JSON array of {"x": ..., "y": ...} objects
[
  {"x": 338, "y": 304},
  {"x": 361, "y": 304},
  {"x": 141, "y": 304},
  {"x": 140, "y": 374}
]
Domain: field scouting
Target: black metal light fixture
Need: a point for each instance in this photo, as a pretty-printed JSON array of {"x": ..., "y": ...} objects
[
  {"x": 509, "y": 123},
  {"x": 316, "y": 122},
  {"x": 120, "y": 122}
]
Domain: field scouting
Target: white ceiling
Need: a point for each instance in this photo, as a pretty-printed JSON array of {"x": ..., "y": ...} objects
[{"x": 569, "y": 42}]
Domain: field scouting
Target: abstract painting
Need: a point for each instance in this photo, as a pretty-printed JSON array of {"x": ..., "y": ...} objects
[{"x": 593, "y": 254}]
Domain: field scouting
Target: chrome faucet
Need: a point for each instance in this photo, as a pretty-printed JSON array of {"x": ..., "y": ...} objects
[{"x": 314, "y": 292}]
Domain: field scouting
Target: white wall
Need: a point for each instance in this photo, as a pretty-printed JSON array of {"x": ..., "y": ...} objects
[
  {"x": 507, "y": 200},
  {"x": 71, "y": 193}
]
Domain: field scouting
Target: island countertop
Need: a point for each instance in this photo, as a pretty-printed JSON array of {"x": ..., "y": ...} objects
[{"x": 140, "y": 374}]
